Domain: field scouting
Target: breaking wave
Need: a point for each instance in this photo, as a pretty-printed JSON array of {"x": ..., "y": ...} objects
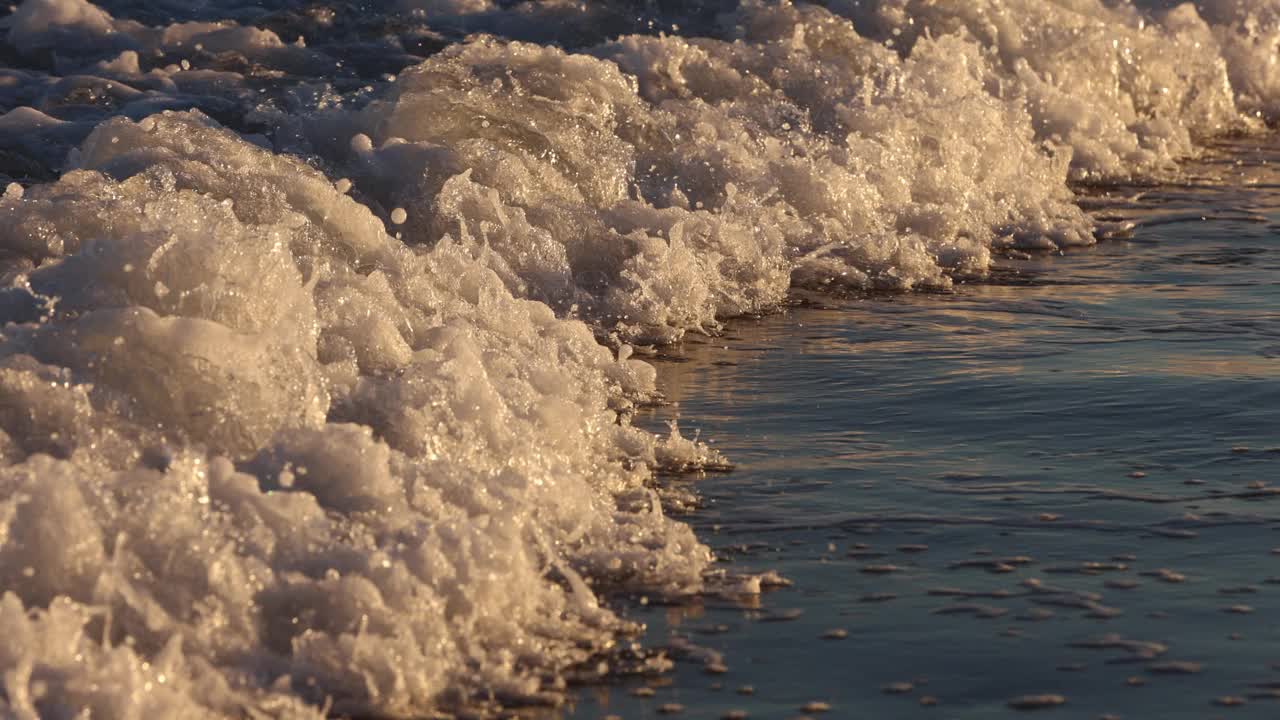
[{"x": 317, "y": 367}]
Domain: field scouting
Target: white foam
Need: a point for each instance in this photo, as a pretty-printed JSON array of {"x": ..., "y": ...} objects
[
  {"x": 708, "y": 185},
  {"x": 219, "y": 296},
  {"x": 1127, "y": 92},
  {"x": 259, "y": 455}
]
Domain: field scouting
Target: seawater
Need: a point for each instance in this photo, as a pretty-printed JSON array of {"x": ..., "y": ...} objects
[
  {"x": 1059, "y": 482},
  {"x": 330, "y": 333}
]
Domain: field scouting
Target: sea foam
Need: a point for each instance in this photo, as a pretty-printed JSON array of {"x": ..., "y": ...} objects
[{"x": 317, "y": 371}]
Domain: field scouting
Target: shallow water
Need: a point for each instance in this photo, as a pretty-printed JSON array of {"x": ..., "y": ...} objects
[
  {"x": 978, "y": 485},
  {"x": 320, "y": 326}
]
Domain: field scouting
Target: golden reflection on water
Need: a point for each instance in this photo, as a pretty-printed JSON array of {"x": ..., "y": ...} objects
[
  {"x": 1221, "y": 367},
  {"x": 979, "y": 331}
]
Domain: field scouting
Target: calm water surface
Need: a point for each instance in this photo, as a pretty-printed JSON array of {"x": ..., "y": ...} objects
[{"x": 1063, "y": 481}]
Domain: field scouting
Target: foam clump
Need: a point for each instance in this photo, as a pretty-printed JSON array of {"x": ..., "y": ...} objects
[
  {"x": 660, "y": 183},
  {"x": 46, "y": 24},
  {"x": 79, "y": 28},
  {"x": 535, "y": 182},
  {"x": 1248, "y": 36},
  {"x": 1128, "y": 91},
  {"x": 258, "y": 456},
  {"x": 292, "y": 459},
  {"x": 88, "y": 65}
]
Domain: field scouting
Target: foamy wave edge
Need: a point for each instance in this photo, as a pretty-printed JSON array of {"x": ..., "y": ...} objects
[{"x": 335, "y": 417}]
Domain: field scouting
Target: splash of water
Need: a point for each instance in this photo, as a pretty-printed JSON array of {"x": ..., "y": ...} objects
[{"x": 303, "y": 404}]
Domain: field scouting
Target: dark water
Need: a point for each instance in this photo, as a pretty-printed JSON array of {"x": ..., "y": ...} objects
[{"x": 1060, "y": 482}]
